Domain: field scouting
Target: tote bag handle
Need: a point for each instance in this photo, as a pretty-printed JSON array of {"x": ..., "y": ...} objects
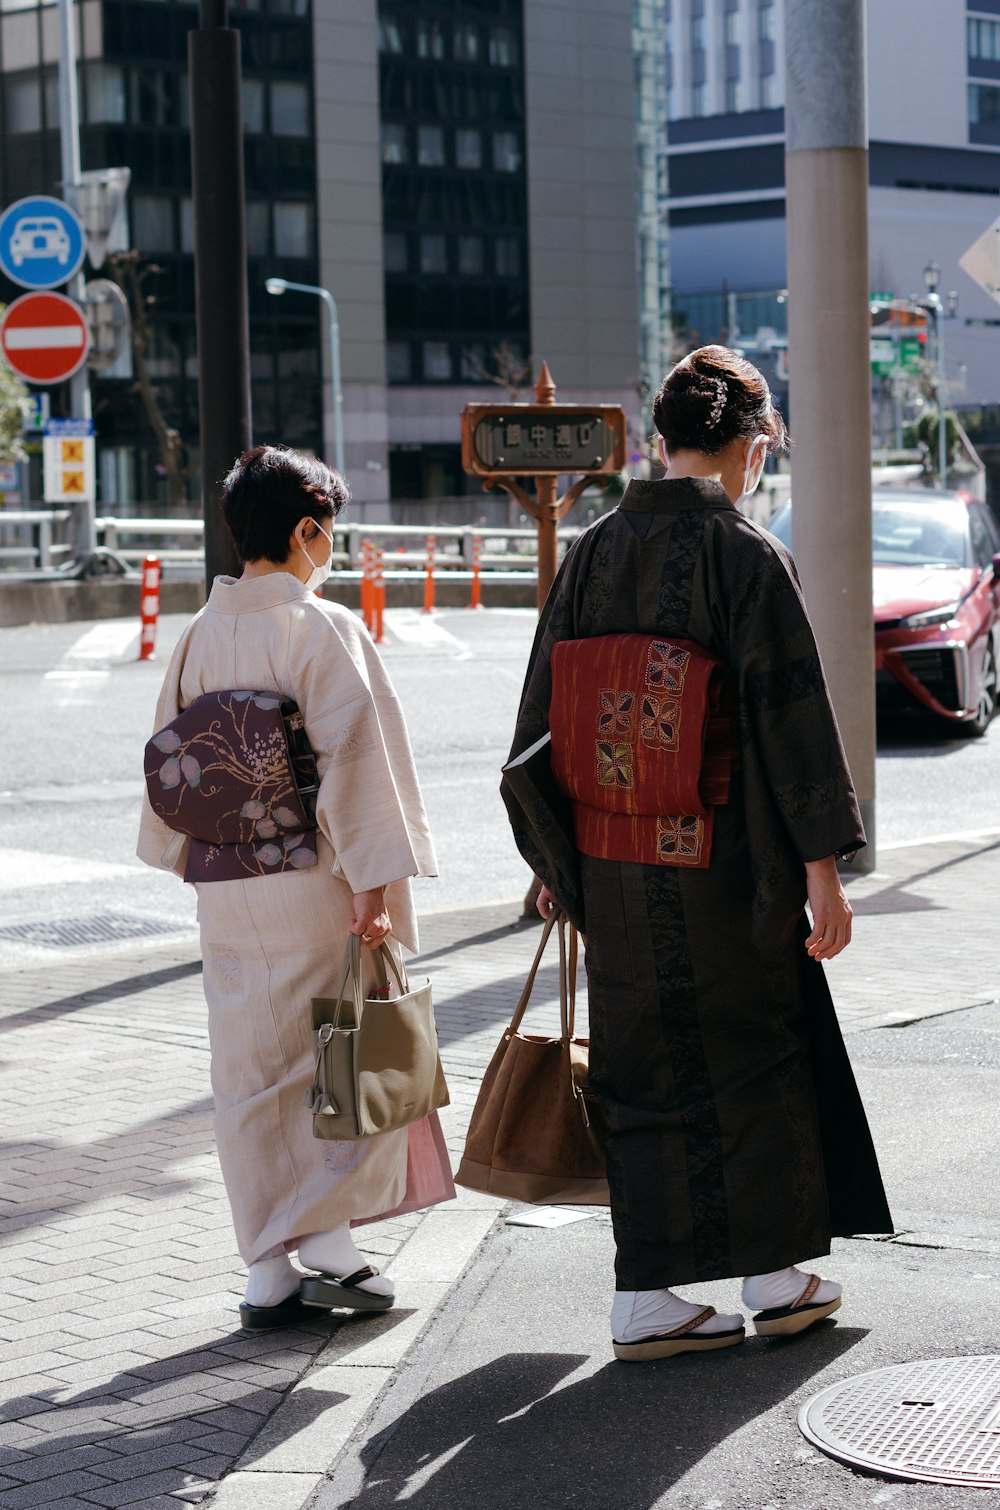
[{"x": 383, "y": 956}]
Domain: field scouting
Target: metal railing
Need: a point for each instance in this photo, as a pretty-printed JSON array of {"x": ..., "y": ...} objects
[{"x": 28, "y": 536}]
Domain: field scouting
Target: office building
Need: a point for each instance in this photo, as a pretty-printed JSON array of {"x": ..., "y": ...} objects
[
  {"x": 934, "y": 93},
  {"x": 460, "y": 174}
]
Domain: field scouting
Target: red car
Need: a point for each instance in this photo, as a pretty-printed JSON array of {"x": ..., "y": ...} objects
[{"x": 936, "y": 594}]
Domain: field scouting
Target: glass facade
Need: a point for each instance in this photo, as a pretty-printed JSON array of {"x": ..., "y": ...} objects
[
  {"x": 452, "y": 105},
  {"x": 134, "y": 110},
  {"x": 983, "y": 39}
]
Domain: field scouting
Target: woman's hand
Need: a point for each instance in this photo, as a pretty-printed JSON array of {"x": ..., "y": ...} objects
[
  {"x": 831, "y": 911},
  {"x": 545, "y": 903},
  {"x": 370, "y": 917}
]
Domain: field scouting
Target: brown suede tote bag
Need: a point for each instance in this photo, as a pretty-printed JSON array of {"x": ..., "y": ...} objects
[{"x": 531, "y": 1137}]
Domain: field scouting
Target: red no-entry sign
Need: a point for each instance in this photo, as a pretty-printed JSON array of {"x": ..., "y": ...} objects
[{"x": 44, "y": 337}]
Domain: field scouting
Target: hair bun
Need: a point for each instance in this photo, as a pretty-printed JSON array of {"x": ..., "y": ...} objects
[{"x": 700, "y": 397}]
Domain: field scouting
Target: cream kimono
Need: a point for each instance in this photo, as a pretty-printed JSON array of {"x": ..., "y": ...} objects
[{"x": 271, "y": 943}]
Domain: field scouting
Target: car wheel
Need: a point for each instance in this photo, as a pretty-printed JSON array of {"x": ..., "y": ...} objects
[{"x": 975, "y": 727}]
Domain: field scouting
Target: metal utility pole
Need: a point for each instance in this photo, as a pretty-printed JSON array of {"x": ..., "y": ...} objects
[
  {"x": 69, "y": 151},
  {"x": 826, "y": 166},
  {"x": 283, "y": 286},
  {"x": 220, "y": 268}
]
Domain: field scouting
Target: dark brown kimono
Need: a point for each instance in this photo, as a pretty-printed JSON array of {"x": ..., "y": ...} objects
[{"x": 736, "y": 1139}]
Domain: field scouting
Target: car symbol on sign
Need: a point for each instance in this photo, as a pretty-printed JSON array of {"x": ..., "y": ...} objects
[{"x": 39, "y": 237}]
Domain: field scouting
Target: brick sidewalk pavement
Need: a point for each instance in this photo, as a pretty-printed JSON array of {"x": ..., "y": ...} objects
[{"x": 124, "y": 1377}]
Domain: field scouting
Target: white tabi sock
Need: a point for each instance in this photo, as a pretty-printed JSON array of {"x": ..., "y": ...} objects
[
  {"x": 334, "y": 1253},
  {"x": 637, "y": 1314},
  {"x": 270, "y": 1281},
  {"x": 782, "y": 1287}
]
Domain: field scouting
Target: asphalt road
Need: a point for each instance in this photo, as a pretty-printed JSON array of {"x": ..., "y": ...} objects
[
  {"x": 514, "y": 1398},
  {"x": 78, "y": 707}
]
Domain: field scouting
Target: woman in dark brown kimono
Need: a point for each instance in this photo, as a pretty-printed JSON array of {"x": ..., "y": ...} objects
[{"x": 736, "y": 1140}]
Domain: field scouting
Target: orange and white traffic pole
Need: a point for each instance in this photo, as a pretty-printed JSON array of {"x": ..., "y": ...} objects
[
  {"x": 367, "y": 605},
  {"x": 379, "y": 597},
  {"x": 149, "y": 607},
  {"x": 475, "y": 597},
  {"x": 429, "y": 578}
]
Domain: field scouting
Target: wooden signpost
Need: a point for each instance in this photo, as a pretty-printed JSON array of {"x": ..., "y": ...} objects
[{"x": 545, "y": 440}]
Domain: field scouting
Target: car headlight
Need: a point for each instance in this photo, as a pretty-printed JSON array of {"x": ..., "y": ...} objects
[{"x": 931, "y": 616}]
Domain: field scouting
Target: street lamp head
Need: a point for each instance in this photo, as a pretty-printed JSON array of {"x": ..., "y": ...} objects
[
  {"x": 276, "y": 285},
  {"x": 932, "y": 276}
]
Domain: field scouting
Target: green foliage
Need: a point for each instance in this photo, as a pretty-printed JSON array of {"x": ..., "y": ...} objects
[
  {"x": 15, "y": 406},
  {"x": 924, "y": 433}
]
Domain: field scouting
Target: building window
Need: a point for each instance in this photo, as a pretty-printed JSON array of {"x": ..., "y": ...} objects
[
  {"x": 22, "y": 105},
  {"x": 154, "y": 97},
  {"x": 252, "y": 105},
  {"x": 293, "y": 228},
  {"x": 153, "y": 223},
  {"x": 390, "y": 36},
  {"x": 468, "y": 149},
  {"x": 433, "y": 254},
  {"x": 187, "y": 226},
  {"x": 767, "y": 21},
  {"x": 437, "y": 362},
  {"x": 258, "y": 228},
  {"x": 503, "y": 47},
  {"x": 394, "y": 144},
  {"x": 104, "y": 94},
  {"x": 472, "y": 363},
  {"x": 731, "y": 28},
  {"x": 430, "y": 41},
  {"x": 470, "y": 256},
  {"x": 506, "y": 151},
  {"x": 398, "y": 366},
  {"x": 734, "y": 100},
  {"x": 289, "y": 108},
  {"x": 984, "y": 104},
  {"x": 699, "y": 33},
  {"x": 430, "y": 147},
  {"x": 769, "y": 92},
  {"x": 507, "y": 257},
  {"x": 465, "y": 42},
  {"x": 394, "y": 253},
  {"x": 984, "y": 39},
  {"x": 697, "y": 99}
]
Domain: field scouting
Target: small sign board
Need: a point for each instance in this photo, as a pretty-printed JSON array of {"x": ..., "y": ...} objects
[
  {"x": 44, "y": 337},
  {"x": 42, "y": 242},
  {"x": 68, "y": 461},
  {"x": 982, "y": 260},
  {"x": 529, "y": 440}
]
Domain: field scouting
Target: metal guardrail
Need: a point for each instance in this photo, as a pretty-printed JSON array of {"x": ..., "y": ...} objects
[{"x": 514, "y": 546}]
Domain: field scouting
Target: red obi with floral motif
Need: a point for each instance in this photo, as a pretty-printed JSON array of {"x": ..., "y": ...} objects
[{"x": 643, "y": 743}]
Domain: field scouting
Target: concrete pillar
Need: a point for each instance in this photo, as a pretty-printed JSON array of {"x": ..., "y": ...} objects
[{"x": 830, "y": 396}]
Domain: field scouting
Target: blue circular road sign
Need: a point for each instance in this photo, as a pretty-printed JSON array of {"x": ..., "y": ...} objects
[{"x": 42, "y": 243}]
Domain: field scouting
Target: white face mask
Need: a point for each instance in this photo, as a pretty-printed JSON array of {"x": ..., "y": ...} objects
[
  {"x": 319, "y": 574},
  {"x": 756, "y": 457}
]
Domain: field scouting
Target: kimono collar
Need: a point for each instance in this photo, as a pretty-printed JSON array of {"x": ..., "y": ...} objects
[
  {"x": 249, "y": 595},
  {"x": 664, "y": 497}
]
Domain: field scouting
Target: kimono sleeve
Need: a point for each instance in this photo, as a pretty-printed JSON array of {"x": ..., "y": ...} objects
[
  {"x": 369, "y": 805},
  {"x": 789, "y": 729}
]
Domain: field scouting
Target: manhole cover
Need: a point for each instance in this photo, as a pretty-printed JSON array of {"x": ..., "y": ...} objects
[
  {"x": 937, "y": 1421},
  {"x": 102, "y": 928}
]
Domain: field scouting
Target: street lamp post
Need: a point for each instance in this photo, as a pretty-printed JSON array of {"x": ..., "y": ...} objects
[
  {"x": 284, "y": 285},
  {"x": 932, "y": 277}
]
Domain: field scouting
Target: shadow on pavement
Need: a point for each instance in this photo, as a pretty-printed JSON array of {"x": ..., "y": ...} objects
[
  {"x": 97, "y": 995},
  {"x": 511, "y": 1434}
]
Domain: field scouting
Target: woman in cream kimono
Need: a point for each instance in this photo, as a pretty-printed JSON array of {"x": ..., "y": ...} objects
[{"x": 271, "y": 943}]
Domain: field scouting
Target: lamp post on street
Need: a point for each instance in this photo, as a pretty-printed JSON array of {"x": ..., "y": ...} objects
[
  {"x": 935, "y": 307},
  {"x": 285, "y": 285}
]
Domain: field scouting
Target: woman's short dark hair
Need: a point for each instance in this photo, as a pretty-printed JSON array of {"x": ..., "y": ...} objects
[
  {"x": 269, "y": 490},
  {"x": 712, "y": 397}
]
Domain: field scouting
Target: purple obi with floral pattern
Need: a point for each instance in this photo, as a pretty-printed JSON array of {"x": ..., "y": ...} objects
[{"x": 235, "y": 771}]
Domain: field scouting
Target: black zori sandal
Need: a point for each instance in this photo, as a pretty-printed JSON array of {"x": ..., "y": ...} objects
[
  {"x": 327, "y": 1291},
  {"x": 269, "y": 1318}
]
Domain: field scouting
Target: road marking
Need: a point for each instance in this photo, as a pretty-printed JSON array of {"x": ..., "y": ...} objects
[
  {"x": 77, "y": 796},
  {"x": 412, "y": 627},
  {"x": 964, "y": 835},
  {"x": 85, "y": 667},
  {"x": 23, "y": 868}
]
